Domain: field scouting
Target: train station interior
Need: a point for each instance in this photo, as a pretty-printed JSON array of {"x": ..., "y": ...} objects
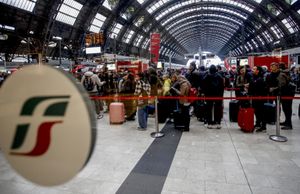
[{"x": 121, "y": 37}]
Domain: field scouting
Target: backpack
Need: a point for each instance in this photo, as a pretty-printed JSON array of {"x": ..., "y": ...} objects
[
  {"x": 88, "y": 84},
  {"x": 192, "y": 93}
]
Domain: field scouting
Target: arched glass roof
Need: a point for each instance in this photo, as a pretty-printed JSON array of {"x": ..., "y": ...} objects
[{"x": 219, "y": 26}]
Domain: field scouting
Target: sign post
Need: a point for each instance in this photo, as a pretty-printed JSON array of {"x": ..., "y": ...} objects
[{"x": 41, "y": 127}]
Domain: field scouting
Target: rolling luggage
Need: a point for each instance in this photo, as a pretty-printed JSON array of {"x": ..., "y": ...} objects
[
  {"x": 200, "y": 110},
  {"x": 246, "y": 119},
  {"x": 181, "y": 119},
  {"x": 162, "y": 111},
  {"x": 116, "y": 113},
  {"x": 234, "y": 107},
  {"x": 270, "y": 113}
]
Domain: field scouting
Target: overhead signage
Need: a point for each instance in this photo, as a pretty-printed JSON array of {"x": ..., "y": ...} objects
[
  {"x": 154, "y": 47},
  {"x": 47, "y": 130},
  {"x": 93, "y": 50}
]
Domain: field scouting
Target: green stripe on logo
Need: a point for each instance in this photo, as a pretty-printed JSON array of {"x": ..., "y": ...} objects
[
  {"x": 20, "y": 136},
  {"x": 32, "y": 103},
  {"x": 56, "y": 109}
]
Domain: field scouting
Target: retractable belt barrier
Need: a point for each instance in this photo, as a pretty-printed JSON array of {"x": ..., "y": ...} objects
[
  {"x": 156, "y": 134},
  {"x": 191, "y": 98}
]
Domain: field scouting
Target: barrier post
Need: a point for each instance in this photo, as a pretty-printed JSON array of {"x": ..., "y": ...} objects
[
  {"x": 156, "y": 134},
  {"x": 278, "y": 137}
]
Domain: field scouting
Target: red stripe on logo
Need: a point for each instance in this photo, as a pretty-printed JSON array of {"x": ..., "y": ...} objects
[{"x": 43, "y": 140}]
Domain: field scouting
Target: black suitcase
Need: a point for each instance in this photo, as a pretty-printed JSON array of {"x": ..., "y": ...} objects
[
  {"x": 181, "y": 120},
  {"x": 162, "y": 111},
  {"x": 200, "y": 111},
  {"x": 270, "y": 113},
  {"x": 234, "y": 107}
]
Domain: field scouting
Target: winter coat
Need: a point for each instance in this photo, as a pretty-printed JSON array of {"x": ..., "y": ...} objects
[
  {"x": 213, "y": 84},
  {"x": 257, "y": 86}
]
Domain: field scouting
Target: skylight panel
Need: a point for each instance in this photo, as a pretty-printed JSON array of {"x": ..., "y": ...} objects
[
  {"x": 156, "y": 5},
  {"x": 68, "y": 12},
  {"x": 146, "y": 43},
  {"x": 254, "y": 43},
  {"x": 27, "y": 5},
  {"x": 129, "y": 36},
  {"x": 124, "y": 16},
  {"x": 97, "y": 23},
  {"x": 277, "y": 31},
  {"x": 106, "y": 4},
  {"x": 94, "y": 29},
  {"x": 65, "y": 19},
  {"x": 141, "y": 1},
  {"x": 11, "y": 28},
  {"x": 267, "y": 36},
  {"x": 137, "y": 41},
  {"x": 249, "y": 45},
  {"x": 222, "y": 16},
  {"x": 290, "y": 24},
  {"x": 115, "y": 30},
  {"x": 293, "y": 1},
  {"x": 260, "y": 40}
]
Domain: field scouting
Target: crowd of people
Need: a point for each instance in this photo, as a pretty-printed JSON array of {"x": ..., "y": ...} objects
[{"x": 208, "y": 82}]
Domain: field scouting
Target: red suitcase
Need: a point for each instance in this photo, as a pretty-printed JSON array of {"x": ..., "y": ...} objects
[
  {"x": 246, "y": 119},
  {"x": 116, "y": 113}
]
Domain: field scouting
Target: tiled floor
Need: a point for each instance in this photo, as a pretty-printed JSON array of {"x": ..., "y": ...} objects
[{"x": 206, "y": 161}]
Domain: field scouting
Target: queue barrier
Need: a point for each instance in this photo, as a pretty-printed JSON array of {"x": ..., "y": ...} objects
[{"x": 277, "y": 137}]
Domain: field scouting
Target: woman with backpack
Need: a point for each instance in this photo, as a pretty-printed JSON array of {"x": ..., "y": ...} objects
[{"x": 91, "y": 83}]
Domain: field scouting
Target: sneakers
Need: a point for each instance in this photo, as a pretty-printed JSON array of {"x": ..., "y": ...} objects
[
  {"x": 261, "y": 129},
  {"x": 288, "y": 127},
  {"x": 141, "y": 129},
  {"x": 217, "y": 126},
  {"x": 257, "y": 126},
  {"x": 99, "y": 116},
  {"x": 210, "y": 126}
]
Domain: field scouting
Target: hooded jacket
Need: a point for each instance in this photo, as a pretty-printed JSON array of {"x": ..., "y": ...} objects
[{"x": 213, "y": 83}]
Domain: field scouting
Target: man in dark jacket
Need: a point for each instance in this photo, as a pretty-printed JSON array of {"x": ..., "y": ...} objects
[
  {"x": 214, "y": 87},
  {"x": 286, "y": 90},
  {"x": 193, "y": 75},
  {"x": 257, "y": 87},
  {"x": 277, "y": 82}
]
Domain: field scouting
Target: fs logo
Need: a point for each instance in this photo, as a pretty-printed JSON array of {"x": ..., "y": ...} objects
[{"x": 43, "y": 138}]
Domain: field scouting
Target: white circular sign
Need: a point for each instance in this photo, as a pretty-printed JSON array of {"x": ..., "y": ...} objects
[{"x": 47, "y": 128}]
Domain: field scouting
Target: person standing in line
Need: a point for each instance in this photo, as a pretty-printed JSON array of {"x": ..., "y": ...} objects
[
  {"x": 287, "y": 91},
  {"x": 128, "y": 90},
  {"x": 142, "y": 89},
  {"x": 214, "y": 87},
  {"x": 181, "y": 88},
  {"x": 91, "y": 83},
  {"x": 257, "y": 87}
]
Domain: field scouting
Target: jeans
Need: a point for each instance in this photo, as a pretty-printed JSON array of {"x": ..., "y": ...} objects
[
  {"x": 287, "y": 110},
  {"x": 142, "y": 113}
]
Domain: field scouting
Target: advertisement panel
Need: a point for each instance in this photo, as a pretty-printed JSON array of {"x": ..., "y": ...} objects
[{"x": 154, "y": 47}]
